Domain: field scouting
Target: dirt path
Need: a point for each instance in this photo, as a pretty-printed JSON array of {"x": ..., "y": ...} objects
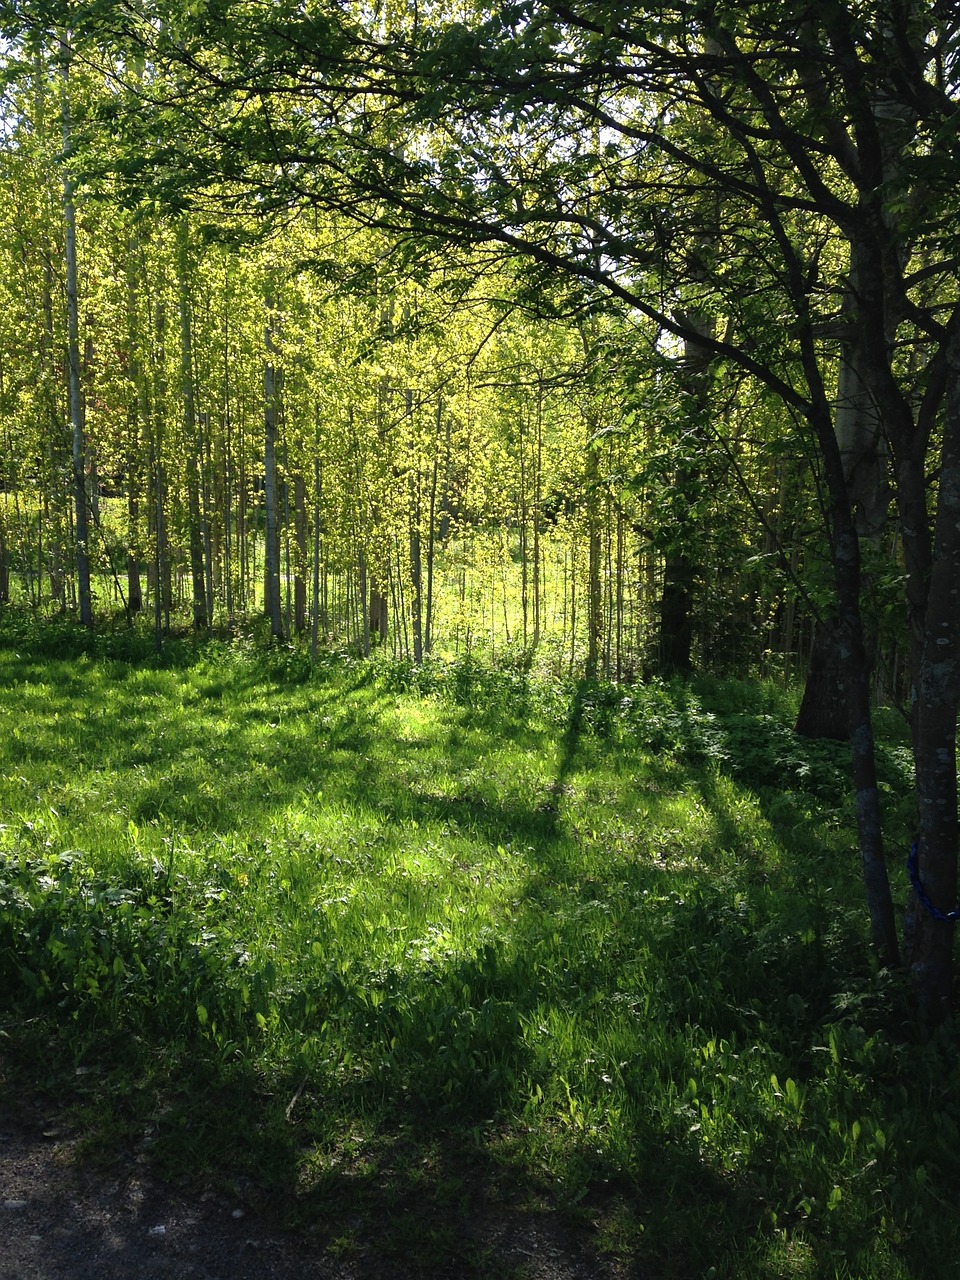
[{"x": 62, "y": 1219}]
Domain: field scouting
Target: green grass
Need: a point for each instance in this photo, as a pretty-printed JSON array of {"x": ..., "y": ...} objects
[{"x": 394, "y": 948}]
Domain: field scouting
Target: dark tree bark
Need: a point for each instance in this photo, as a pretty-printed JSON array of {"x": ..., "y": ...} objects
[
  {"x": 936, "y": 706},
  {"x": 675, "y": 630},
  {"x": 823, "y": 708},
  {"x": 863, "y": 451},
  {"x": 682, "y": 570},
  {"x": 855, "y": 681}
]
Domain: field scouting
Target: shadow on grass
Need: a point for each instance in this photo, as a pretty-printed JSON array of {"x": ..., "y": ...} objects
[
  {"x": 423, "y": 1105},
  {"x": 416, "y": 1168}
]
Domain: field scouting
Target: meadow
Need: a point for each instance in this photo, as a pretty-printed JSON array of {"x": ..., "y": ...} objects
[{"x": 387, "y": 945}]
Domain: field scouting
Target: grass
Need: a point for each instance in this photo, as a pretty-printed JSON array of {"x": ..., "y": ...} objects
[{"x": 395, "y": 949}]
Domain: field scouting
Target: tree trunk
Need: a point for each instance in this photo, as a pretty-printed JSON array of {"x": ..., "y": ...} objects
[
  {"x": 230, "y": 532},
  {"x": 59, "y": 443},
  {"x": 193, "y": 459},
  {"x": 414, "y": 517},
  {"x": 823, "y": 708},
  {"x": 270, "y": 494},
  {"x": 164, "y": 567},
  {"x": 431, "y": 531},
  {"x": 210, "y": 550},
  {"x": 285, "y": 489},
  {"x": 364, "y": 616},
  {"x": 416, "y": 570},
  {"x": 681, "y": 570},
  {"x": 300, "y": 568},
  {"x": 675, "y": 644},
  {"x": 522, "y": 505},
  {"x": 594, "y": 591},
  {"x": 134, "y": 589},
  {"x": 863, "y": 454},
  {"x": 929, "y": 936},
  {"x": 315, "y": 613},
  {"x": 855, "y": 683},
  {"x": 537, "y": 502},
  {"x": 137, "y": 419},
  {"x": 4, "y": 565},
  {"x": 81, "y": 517},
  {"x": 378, "y": 616}
]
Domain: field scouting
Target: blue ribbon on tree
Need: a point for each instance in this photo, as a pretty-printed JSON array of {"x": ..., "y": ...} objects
[{"x": 913, "y": 870}]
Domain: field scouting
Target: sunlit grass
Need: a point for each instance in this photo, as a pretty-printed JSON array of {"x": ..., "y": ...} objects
[{"x": 372, "y": 944}]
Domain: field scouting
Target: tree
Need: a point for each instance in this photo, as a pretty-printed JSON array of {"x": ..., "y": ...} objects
[
  {"x": 82, "y": 512},
  {"x": 191, "y": 431}
]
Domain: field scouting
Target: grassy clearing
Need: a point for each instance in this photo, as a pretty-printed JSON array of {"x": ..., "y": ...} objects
[{"x": 393, "y": 947}]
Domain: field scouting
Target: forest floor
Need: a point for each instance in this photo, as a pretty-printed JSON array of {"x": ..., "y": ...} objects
[
  {"x": 64, "y": 1216},
  {"x": 340, "y": 970}
]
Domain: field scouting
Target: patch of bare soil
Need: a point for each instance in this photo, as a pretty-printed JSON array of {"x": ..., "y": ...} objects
[{"x": 64, "y": 1218}]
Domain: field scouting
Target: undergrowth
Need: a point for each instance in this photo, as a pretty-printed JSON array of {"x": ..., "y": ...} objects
[{"x": 400, "y": 939}]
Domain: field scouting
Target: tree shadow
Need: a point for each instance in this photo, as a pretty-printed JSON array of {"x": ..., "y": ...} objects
[{"x": 432, "y": 1067}]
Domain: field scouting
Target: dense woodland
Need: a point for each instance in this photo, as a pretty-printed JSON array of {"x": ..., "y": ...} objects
[
  {"x": 293, "y": 426},
  {"x": 480, "y": 633},
  {"x": 621, "y": 342}
]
